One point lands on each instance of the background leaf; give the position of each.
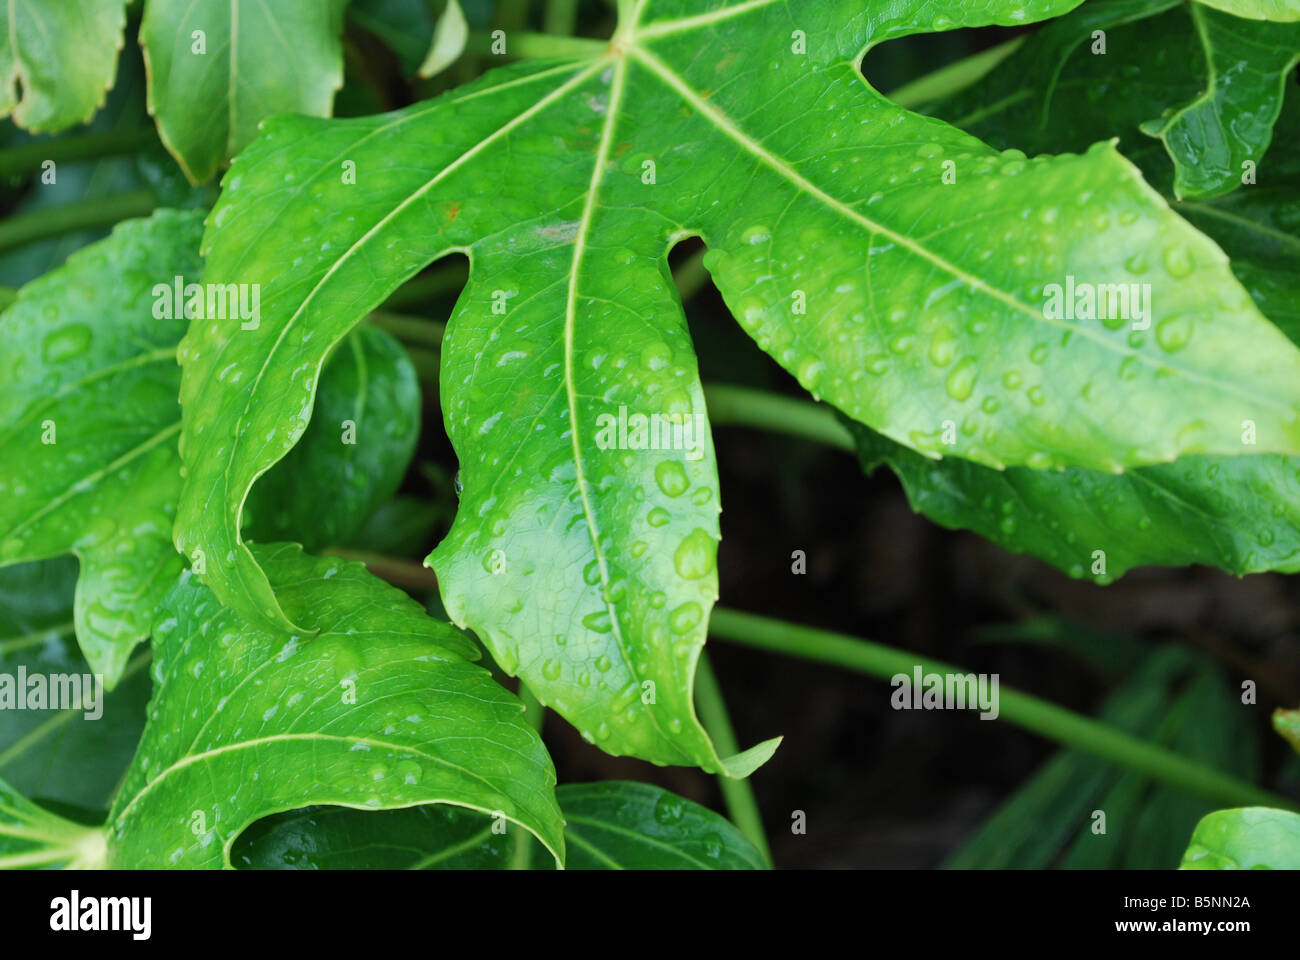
(258, 59)
(1212, 137)
(62, 756)
(57, 60)
(610, 825)
(325, 488)
(87, 359)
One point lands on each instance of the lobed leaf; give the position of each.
(218, 68)
(57, 60)
(586, 561)
(382, 709)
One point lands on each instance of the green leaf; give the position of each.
(356, 449)
(449, 38)
(1258, 9)
(1248, 838)
(88, 423)
(1241, 514)
(218, 68)
(69, 756)
(1216, 82)
(612, 825)
(380, 709)
(589, 569)
(1259, 228)
(57, 60)
(1214, 138)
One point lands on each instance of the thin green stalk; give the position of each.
(28, 157)
(948, 80)
(532, 46)
(731, 405)
(690, 275)
(511, 14)
(443, 280)
(738, 795)
(561, 16)
(534, 713)
(1031, 713)
(417, 330)
(70, 217)
(7, 296)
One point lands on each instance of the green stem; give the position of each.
(731, 405)
(533, 46)
(690, 275)
(1037, 716)
(7, 296)
(738, 795)
(561, 16)
(70, 217)
(426, 333)
(948, 80)
(534, 712)
(91, 146)
(443, 280)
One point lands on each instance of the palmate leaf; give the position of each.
(89, 422)
(1249, 838)
(612, 825)
(587, 565)
(57, 60)
(257, 59)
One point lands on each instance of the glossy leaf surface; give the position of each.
(380, 709)
(585, 559)
(88, 424)
(1217, 139)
